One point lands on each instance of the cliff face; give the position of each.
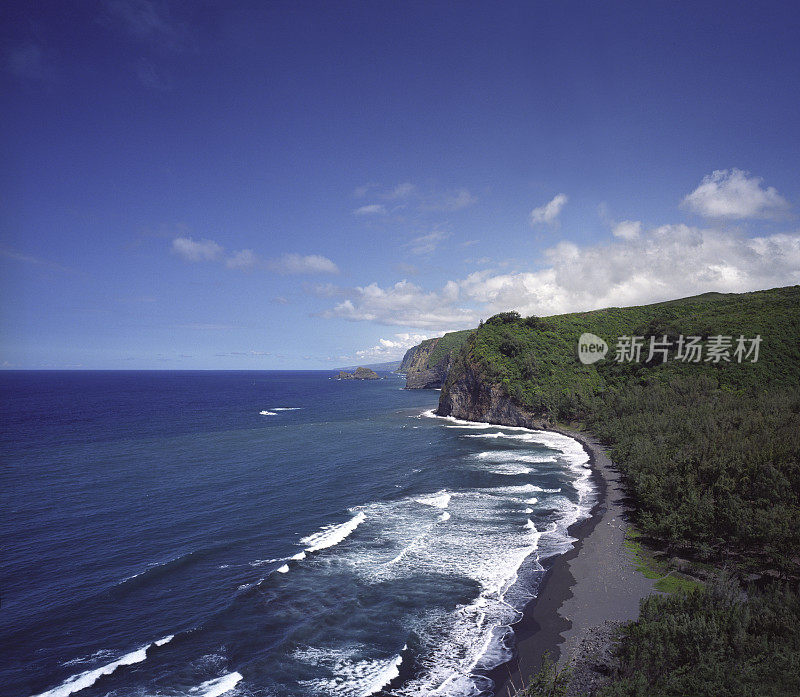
(426, 366)
(416, 357)
(470, 396)
(419, 375)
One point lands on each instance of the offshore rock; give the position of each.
(360, 373)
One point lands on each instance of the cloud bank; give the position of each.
(662, 263)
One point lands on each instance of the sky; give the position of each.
(310, 185)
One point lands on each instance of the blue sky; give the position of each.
(309, 185)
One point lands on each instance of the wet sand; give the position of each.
(584, 590)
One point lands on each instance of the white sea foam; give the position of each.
(490, 435)
(267, 413)
(298, 556)
(353, 676)
(88, 678)
(475, 636)
(512, 490)
(513, 456)
(484, 542)
(454, 643)
(283, 569)
(440, 500)
(331, 535)
(262, 562)
(509, 468)
(286, 408)
(97, 655)
(569, 451)
(217, 686)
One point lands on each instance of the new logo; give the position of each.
(591, 348)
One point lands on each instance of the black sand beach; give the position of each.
(586, 592)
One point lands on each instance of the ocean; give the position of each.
(266, 534)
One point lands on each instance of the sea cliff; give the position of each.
(472, 396)
(427, 365)
(419, 376)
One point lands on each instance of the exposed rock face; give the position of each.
(470, 396)
(410, 359)
(360, 373)
(420, 375)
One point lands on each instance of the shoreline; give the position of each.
(585, 593)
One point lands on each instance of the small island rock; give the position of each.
(360, 373)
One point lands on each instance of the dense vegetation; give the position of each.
(449, 342)
(711, 451)
(711, 456)
(712, 642)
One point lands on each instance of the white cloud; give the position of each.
(395, 347)
(627, 229)
(405, 304)
(246, 259)
(243, 259)
(299, 264)
(548, 213)
(667, 262)
(733, 193)
(372, 209)
(200, 250)
(426, 244)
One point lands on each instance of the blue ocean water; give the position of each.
(265, 533)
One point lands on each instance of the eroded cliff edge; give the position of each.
(468, 394)
(428, 364)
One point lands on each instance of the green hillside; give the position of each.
(711, 456)
(448, 343)
(710, 449)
